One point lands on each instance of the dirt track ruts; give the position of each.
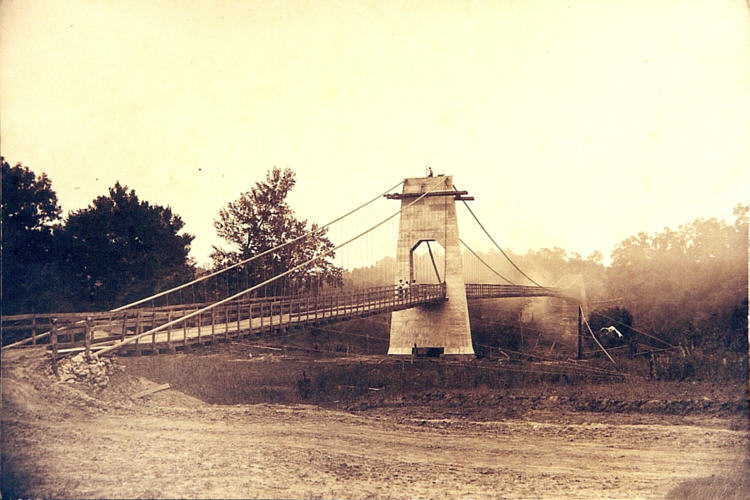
(307, 452)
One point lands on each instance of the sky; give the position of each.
(574, 124)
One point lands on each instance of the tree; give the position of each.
(261, 219)
(121, 249)
(29, 214)
(685, 285)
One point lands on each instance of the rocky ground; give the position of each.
(86, 437)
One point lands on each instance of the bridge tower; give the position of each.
(432, 218)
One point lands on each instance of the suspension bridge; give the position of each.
(427, 293)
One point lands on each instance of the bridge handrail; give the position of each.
(102, 328)
(495, 290)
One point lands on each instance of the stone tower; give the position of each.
(433, 218)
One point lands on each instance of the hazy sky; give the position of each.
(574, 124)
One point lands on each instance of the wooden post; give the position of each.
(154, 349)
(226, 322)
(124, 324)
(138, 331)
(281, 316)
(291, 308)
(250, 316)
(270, 318)
(213, 325)
(87, 338)
(53, 341)
(580, 333)
(651, 365)
(170, 346)
(260, 308)
(239, 316)
(110, 324)
(33, 329)
(200, 321)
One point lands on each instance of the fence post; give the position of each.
(226, 322)
(33, 329)
(170, 346)
(154, 348)
(124, 324)
(138, 331)
(87, 338)
(184, 334)
(291, 308)
(53, 341)
(213, 325)
(239, 316)
(281, 316)
(250, 318)
(262, 314)
(200, 324)
(270, 318)
(580, 331)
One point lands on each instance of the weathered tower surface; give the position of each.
(432, 218)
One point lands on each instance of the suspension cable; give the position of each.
(498, 246)
(245, 261)
(597, 340)
(483, 262)
(163, 326)
(432, 258)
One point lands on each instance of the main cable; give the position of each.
(496, 244)
(266, 252)
(237, 295)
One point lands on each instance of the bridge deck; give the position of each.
(281, 315)
(167, 328)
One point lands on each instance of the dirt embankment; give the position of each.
(80, 440)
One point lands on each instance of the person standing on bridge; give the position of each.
(406, 290)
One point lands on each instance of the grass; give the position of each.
(734, 486)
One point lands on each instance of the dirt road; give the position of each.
(59, 441)
(305, 452)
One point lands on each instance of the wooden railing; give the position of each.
(495, 291)
(163, 328)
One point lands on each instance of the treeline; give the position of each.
(690, 285)
(687, 286)
(121, 248)
(116, 250)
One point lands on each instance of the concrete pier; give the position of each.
(432, 218)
